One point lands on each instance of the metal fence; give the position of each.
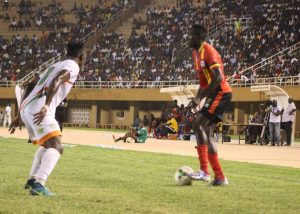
(279, 81)
(290, 51)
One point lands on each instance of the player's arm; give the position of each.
(60, 79)
(28, 86)
(214, 83)
(168, 123)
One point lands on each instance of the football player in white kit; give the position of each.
(37, 111)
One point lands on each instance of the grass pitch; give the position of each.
(96, 180)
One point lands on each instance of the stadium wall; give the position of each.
(94, 107)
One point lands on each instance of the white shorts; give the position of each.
(46, 130)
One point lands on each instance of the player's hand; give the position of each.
(194, 103)
(38, 117)
(17, 122)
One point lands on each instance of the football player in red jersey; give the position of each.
(215, 88)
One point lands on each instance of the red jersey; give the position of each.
(205, 59)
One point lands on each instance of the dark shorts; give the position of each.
(170, 130)
(215, 105)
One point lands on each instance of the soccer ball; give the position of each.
(182, 176)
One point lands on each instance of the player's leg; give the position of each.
(9, 120)
(288, 129)
(49, 136)
(202, 147)
(36, 163)
(277, 133)
(127, 135)
(215, 112)
(4, 121)
(54, 150)
(214, 160)
(271, 129)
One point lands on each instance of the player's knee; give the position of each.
(59, 148)
(198, 127)
(55, 143)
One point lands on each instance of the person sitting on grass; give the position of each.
(140, 135)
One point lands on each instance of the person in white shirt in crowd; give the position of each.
(274, 123)
(288, 118)
(1, 117)
(7, 116)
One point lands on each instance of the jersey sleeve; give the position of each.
(73, 68)
(212, 58)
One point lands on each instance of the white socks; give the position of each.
(49, 160)
(36, 162)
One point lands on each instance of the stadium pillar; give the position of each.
(238, 116)
(133, 111)
(93, 115)
(13, 110)
(104, 115)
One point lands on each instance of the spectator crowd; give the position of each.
(156, 49)
(22, 54)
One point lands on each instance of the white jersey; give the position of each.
(36, 99)
(286, 117)
(8, 111)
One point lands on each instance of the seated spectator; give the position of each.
(170, 127)
(13, 25)
(6, 18)
(20, 25)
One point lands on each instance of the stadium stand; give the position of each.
(27, 48)
(151, 46)
(149, 53)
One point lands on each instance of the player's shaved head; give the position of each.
(198, 35)
(75, 49)
(200, 31)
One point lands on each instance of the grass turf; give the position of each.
(96, 180)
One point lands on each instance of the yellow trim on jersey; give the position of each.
(48, 136)
(206, 73)
(205, 70)
(202, 54)
(201, 47)
(216, 65)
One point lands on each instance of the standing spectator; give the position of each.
(136, 122)
(5, 5)
(288, 117)
(13, 24)
(274, 123)
(145, 121)
(7, 116)
(151, 125)
(1, 117)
